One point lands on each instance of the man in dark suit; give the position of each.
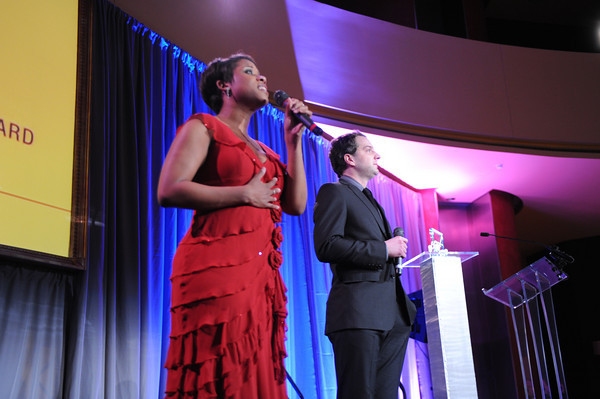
(369, 316)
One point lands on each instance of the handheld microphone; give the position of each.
(398, 232)
(281, 97)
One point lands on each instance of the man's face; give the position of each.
(365, 158)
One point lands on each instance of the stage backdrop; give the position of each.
(102, 333)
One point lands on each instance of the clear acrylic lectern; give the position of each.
(447, 322)
(527, 293)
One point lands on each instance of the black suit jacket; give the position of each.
(349, 234)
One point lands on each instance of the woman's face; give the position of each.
(248, 86)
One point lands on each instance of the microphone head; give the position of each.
(483, 234)
(398, 232)
(280, 96)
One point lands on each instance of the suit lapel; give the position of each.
(386, 224)
(378, 214)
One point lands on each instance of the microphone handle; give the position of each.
(398, 232)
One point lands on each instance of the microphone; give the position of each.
(552, 249)
(398, 232)
(281, 97)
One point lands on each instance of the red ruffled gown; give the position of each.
(228, 303)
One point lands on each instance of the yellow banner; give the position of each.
(38, 41)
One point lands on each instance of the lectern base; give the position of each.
(447, 323)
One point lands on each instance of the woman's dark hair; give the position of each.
(219, 69)
(344, 144)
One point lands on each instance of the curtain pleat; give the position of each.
(103, 333)
(33, 313)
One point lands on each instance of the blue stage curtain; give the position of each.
(103, 333)
(142, 89)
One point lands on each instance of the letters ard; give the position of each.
(13, 131)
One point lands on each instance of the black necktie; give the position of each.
(369, 195)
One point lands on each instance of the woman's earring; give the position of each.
(228, 92)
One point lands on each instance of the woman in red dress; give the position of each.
(228, 304)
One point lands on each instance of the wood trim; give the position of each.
(429, 134)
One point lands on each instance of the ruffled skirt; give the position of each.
(227, 329)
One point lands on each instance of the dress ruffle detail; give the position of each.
(279, 330)
(202, 365)
(226, 370)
